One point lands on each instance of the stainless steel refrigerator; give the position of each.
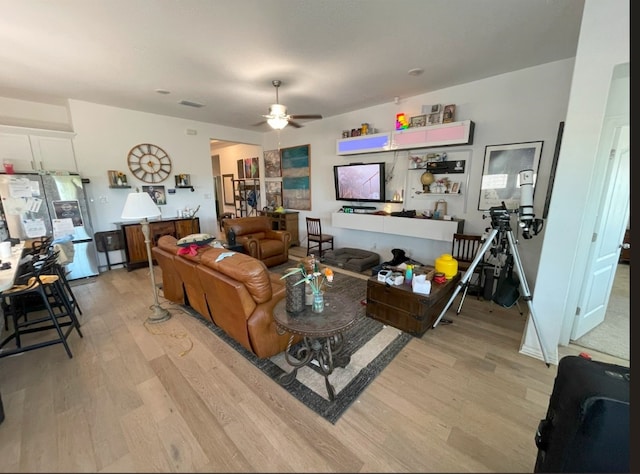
(51, 205)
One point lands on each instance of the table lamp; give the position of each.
(140, 206)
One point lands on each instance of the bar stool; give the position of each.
(39, 287)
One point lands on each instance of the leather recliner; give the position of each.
(259, 240)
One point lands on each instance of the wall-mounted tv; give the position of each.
(361, 182)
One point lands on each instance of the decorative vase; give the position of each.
(318, 302)
(119, 181)
(295, 293)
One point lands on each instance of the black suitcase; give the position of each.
(587, 424)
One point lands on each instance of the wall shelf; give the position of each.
(446, 134)
(435, 229)
(124, 186)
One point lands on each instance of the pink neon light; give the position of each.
(428, 136)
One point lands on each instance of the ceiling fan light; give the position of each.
(277, 123)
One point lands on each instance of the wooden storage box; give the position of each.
(400, 307)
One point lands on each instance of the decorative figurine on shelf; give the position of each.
(122, 179)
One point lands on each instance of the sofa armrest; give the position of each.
(282, 235)
(252, 246)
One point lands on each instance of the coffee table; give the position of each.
(400, 307)
(323, 338)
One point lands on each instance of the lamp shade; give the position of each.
(139, 206)
(277, 123)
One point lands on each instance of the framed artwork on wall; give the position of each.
(296, 185)
(272, 167)
(273, 193)
(240, 169)
(501, 173)
(157, 193)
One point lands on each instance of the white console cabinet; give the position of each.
(434, 229)
(31, 149)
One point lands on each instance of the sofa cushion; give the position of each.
(198, 239)
(244, 269)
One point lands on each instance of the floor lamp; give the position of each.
(141, 206)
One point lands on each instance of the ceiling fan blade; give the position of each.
(308, 116)
(294, 124)
(257, 124)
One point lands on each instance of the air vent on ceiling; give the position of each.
(189, 103)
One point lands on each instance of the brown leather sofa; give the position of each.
(259, 240)
(164, 253)
(237, 293)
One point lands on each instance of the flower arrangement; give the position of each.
(121, 178)
(318, 279)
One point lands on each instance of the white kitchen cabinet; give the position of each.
(31, 149)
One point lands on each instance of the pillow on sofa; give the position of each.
(196, 239)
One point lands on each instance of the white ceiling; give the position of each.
(332, 56)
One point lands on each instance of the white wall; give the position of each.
(104, 136)
(603, 44)
(522, 106)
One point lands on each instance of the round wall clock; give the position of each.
(149, 163)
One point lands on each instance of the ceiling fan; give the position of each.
(278, 117)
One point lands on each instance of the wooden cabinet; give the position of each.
(401, 308)
(435, 229)
(37, 150)
(285, 221)
(136, 249)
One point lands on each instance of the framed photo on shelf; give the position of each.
(434, 118)
(418, 121)
(455, 187)
(183, 180)
(501, 173)
(448, 115)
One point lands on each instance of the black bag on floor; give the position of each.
(587, 423)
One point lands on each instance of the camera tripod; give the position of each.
(500, 222)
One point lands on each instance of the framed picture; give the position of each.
(157, 194)
(435, 109)
(227, 189)
(418, 121)
(501, 173)
(455, 187)
(448, 115)
(273, 193)
(435, 118)
(183, 180)
(296, 183)
(272, 167)
(241, 169)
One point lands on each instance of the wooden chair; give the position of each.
(315, 235)
(464, 249)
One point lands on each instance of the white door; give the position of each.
(611, 223)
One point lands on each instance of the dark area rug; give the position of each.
(370, 344)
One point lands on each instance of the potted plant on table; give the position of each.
(317, 279)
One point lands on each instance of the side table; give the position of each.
(323, 338)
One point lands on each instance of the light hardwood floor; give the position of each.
(174, 397)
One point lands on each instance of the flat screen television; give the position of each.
(360, 182)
